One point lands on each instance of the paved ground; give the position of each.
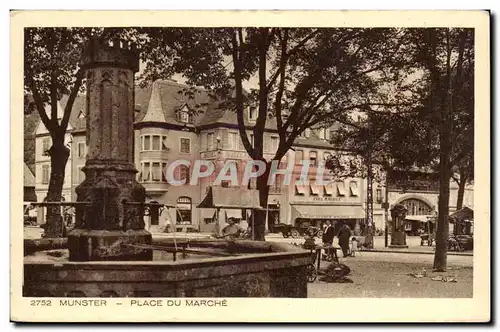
(390, 279)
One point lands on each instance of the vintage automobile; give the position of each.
(466, 241)
(301, 228)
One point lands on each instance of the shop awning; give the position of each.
(314, 188)
(327, 212)
(330, 188)
(230, 198)
(301, 189)
(233, 213)
(465, 213)
(422, 218)
(207, 213)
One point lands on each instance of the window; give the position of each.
(45, 145)
(224, 184)
(251, 140)
(307, 133)
(156, 143)
(233, 141)
(313, 157)
(379, 195)
(81, 150)
(164, 172)
(164, 143)
(322, 133)
(184, 173)
(153, 171)
(252, 113)
(146, 173)
(184, 208)
(210, 141)
(416, 207)
(299, 155)
(81, 121)
(156, 172)
(45, 174)
(327, 134)
(185, 145)
(183, 116)
(147, 143)
(275, 188)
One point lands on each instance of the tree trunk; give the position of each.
(461, 190)
(59, 155)
(261, 215)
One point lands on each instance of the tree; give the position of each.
(381, 142)
(439, 132)
(447, 57)
(305, 77)
(51, 57)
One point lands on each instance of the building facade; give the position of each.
(171, 124)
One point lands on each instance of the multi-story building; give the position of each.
(174, 123)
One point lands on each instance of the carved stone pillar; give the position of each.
(111, 226)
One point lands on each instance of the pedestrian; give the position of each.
(328, 235)
(233, 230)
(344, 236)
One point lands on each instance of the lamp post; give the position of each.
(369, 189)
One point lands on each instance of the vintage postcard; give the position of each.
(263, 166)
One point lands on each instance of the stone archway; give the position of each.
(419, 198)
(417, 207)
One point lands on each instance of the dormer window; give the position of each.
(81, 120)
(252, 113)
(183, 116)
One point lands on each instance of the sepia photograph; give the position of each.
(190, 166)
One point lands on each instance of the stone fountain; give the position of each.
(109, 253)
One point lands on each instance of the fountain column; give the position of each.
(109, 222)
(398, 234)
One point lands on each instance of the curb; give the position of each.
(417, 252)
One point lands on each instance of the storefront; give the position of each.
(316, 214)
(220, 204)
(463, 221)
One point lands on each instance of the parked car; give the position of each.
(295, 231)
(466, 241)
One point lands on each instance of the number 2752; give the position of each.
(40, 303)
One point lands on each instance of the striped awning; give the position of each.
(327, 212)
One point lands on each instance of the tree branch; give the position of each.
(281, 86)
(239, 96)
(71, 99)
(274, 77)
(39, 103)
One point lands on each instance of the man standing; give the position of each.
(328, 235)
(344, 236)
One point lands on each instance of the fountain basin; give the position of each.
(251, 269)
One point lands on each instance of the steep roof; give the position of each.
(162, 99)
(29, 178)
(171, 96)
